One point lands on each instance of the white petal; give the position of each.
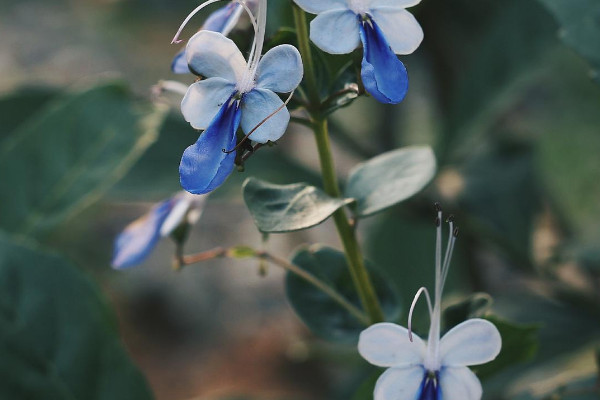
(204, 99)
(399, 384)
(394, 3)
(319, 6)
(400, 28)
(459, 383)
(175, 217)
(211, 54)
(280, 70)
(388, 345)
(335, 32)
(257, 105)
(473, 342)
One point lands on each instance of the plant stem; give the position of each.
(288, 266)
(354, 257)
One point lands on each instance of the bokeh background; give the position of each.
(505, 92)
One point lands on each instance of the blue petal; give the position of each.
(280, 69)
(430, 387)
(224, 19)
(179, 64)
(383, 74)
(335, 32)
(138, 239)
(258, 105)
(204, 165)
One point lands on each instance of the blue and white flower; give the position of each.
(436, 369)
(234, 93)
(385, 29)
(223, 21)
(139, 238)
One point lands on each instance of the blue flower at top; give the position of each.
(139, 238)
(385, 29)
(234, 93)
(223, 21)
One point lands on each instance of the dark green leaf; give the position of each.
(519, 344)
(503, 197)
(318, 311)
(58, 338)
(580, 28)
(69, 153)
(493, 81)
(390, 178)
(19, 106)
(287, 208)
(475, 306)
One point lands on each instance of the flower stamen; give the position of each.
(412, 308)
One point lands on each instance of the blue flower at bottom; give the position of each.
(385, 29)
(233, 94)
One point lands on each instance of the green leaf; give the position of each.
(474, 306)
(390, 178)
(319, 312)
(519, 344)
(69, 153)
(19, 106)
(58, 338)
(580, 28)
(287, 208)
(492, 82)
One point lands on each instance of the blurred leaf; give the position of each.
(474, 306)
(321, 314)
(503, 197)
(287, 208)
(366, 389)
(494, 80)
(580, 28)
(17, 107)
(69, 153)
(390, 178)
(520, 343)
(58, 338)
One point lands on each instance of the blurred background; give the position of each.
(508, 95)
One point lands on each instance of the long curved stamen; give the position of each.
(438, 251)
(189, 17)
(260, 124)
(449, 251)
(412, 308)
(259, 37)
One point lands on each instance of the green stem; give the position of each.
(286, 265)
(354, 257)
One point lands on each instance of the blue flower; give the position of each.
(437, 369)
(139, 238)
(385, 29)
(234, 93)
(222, 20)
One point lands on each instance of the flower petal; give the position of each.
(473, 342)
(335, 32)
(211, 54)
(399, 384)
(138, 239)
(401, 29)
(257, 105)
(388, 345)
(204, 165)
(459, 383)
(319, 6)
(224, 19)
(394, 3)
(280, 69)
(204, 99)
(179, 64)
(383, 75)
(185, 204)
